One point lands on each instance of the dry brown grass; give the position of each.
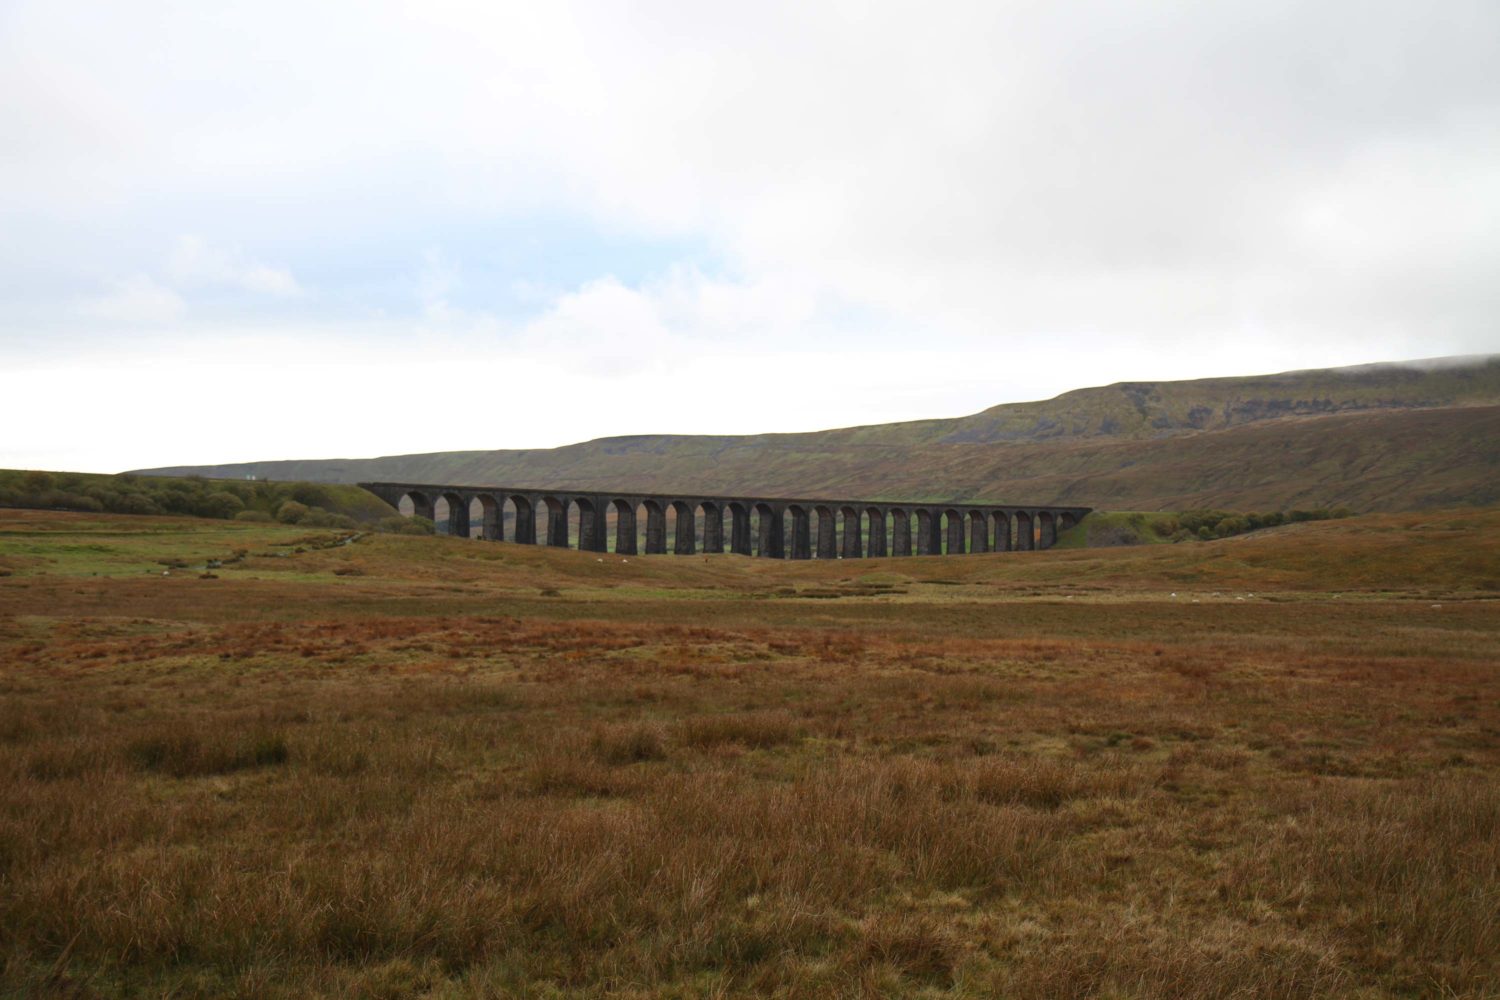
(336, 792)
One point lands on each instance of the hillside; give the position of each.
(1373, 437)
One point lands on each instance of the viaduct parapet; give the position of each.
(772, 527)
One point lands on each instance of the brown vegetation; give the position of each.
(1370, 438)
(1019, 775)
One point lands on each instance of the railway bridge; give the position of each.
(772, 527)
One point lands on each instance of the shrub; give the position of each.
(628, 744)
(134, 503)
(291, 512)
(317, 517)
(1231, 526)
(221, 503)
(184, 755)
(258, 516)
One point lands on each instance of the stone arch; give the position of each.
(591, 533)
(415, 503)
(900, 531)
(1025, 539)
(739, 528)
(1002, 530)
(875, 544)
(768, 532)
(625, 537)
(557, 521)
(484, 514)
(685, 523)
(451, 515)
(656, 528)
(979, 531)
(800, 532)
(521, 513)
(929, 533)
(954, 543)
(1046, 530)
(713, 526)
(828, 532)
(851, 533)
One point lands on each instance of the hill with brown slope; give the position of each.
(1375, 437)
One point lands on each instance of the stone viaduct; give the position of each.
(776, 528)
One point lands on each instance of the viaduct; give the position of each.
(776, 528)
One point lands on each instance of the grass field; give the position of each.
(252, 760)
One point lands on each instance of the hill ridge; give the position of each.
(1392, 435)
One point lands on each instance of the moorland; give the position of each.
(262, 760)
(1400, 436)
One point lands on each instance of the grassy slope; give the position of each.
(1265, 766)
(1379, 438)
(1148, 409)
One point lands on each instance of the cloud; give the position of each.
(136, 300)
(673, 320)
(993, 201)
(194, 262)
(983, 169)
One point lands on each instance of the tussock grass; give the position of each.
(1117, 797)
(751, 730)
(629, 743)
(183, 755)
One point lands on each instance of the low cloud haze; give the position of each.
(276, 230)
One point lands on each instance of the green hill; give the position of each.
(1374, 437)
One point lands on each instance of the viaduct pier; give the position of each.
(771, 527)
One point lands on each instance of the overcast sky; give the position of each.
(273, 230)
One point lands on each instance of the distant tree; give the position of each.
(63, 500)
(1231, 526)
(221, 503)
(37, 481)
(253, 515)
(291, 512)
(312, 495)
(134, 503)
